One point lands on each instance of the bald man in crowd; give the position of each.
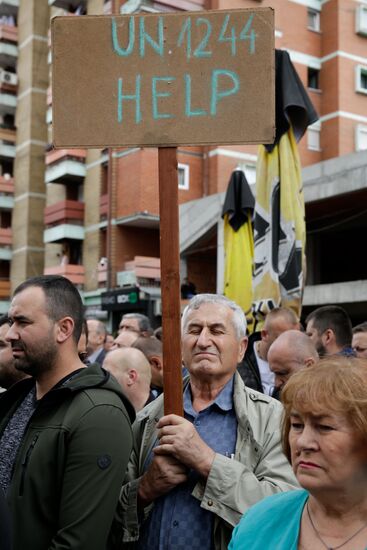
(290, 352)
(124, 339)
(254, 369)
(131, 369)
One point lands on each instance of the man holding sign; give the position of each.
(190, 479)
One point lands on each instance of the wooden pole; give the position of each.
(110, 186)
(170, 280)
(110, 175)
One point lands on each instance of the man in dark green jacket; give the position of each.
(65, 434)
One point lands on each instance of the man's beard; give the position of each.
(320, 348)
(35, 362)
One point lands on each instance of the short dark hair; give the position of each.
(362, 327)
(62, 299)
(143, 321)
(334, 318)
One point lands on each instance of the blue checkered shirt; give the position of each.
(177, 521)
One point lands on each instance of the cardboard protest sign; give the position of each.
(164, 79)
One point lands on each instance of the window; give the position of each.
(183, 176)
(361, 137)
(361, 20)
(313, 137)
(313, 78)
(313, 20)
(361, 79)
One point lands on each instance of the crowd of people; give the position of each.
(269, 454)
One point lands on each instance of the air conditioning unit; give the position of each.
(126, 278)
(7, 77)
(361, 20)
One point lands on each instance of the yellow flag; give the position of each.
(239, 253)
(279, 229)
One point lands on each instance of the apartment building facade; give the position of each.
(93, 215)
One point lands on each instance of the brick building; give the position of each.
(93, 215)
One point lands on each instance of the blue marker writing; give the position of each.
(158, 46)
(115, 42)
(129, 97)
(218, 95)
(188, 111)
(156, 95)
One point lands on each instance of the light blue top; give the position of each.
(272, 524)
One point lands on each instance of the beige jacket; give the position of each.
(259, 467)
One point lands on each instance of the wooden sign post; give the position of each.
(170, 279)
(163, 80)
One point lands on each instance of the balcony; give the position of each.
(5, 236)
(7, 184)
(9, 7)
(142, 271)
(6, 192)
(6, 253)
(8, 103)
(75, 273)
(4, 289)
(8, 55)
(8, 44)
(7, 143)
(63, 231)
(5, 243)
(65, 166)
(64, 212)
(145, 266)
(8, 33)
(8, 90)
